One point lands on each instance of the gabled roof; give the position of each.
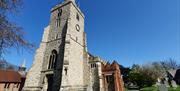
(172, 72)
(9, 76)
(110, 67)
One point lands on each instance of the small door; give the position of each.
(50, 82)
(110, 86)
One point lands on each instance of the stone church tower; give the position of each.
(59, 61)
(62, 62)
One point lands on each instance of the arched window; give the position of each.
(58, 17)
(59, 12)
(52, 60)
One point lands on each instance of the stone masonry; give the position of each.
(62, 61)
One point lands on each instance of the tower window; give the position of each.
(58, 22)
(66, 69)
(59, 12)
(58, 17)
(53, 60)
(77, 16)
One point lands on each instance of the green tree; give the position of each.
(143, 76)
(136, 68)
(137, 79)
(147, 74)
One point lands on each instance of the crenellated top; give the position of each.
(66, 2)
(70, 0)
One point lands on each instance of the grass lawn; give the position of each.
(153, 88)
(177, 89)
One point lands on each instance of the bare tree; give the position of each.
(7, 66)
(169, 64)
(136, 68)
(11, 35)
(9, 5)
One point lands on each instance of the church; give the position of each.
(62, 61)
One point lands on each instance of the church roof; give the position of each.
(172, 72)
(9, 76)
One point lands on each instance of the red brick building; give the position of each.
(11, 80)
(112, 80)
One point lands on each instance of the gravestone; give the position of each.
(162, 87)
(158, 82)
(174, 85)
(166, 82)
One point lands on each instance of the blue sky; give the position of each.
(129, 31)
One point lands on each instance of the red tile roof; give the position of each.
(9, 76)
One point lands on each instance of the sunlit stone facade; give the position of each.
(62, 62)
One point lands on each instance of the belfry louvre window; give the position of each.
(58, 20)
(53, 60)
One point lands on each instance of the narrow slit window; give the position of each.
(77, 16)
(49, 66)
(66, 69)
